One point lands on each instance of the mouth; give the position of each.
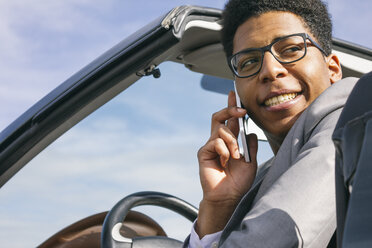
(279, 99)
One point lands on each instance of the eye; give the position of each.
(291, 50)
(248, 63)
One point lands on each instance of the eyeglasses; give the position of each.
(286, 49)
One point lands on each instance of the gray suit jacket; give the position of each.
(292, 203)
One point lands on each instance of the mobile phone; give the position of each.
(243, 130)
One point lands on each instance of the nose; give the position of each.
(271, 68)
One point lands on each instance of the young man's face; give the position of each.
(299, 83)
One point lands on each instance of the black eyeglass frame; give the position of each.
(305, 36)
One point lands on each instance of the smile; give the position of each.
(276, 100)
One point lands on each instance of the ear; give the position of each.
(334, 68)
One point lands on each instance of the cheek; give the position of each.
(247, 94)
(314, 77)
(311, 70)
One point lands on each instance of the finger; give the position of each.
(219, 118)
(253, 147)
(233, 125)
(223, 115)
(231, 99)
(230, 140)
(214, 150)
(222, 151)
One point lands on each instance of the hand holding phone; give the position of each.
(243, 130)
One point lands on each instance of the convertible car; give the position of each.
(186, 35)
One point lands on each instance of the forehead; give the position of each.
(263, 29)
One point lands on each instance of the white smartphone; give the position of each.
(243, 130)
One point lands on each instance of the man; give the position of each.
(285, 73)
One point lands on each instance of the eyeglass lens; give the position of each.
(285, 50)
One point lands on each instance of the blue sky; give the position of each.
(145, 139)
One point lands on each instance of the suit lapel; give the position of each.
(241, 210)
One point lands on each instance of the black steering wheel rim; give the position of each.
(111, 237)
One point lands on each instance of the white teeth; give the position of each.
(280, 99)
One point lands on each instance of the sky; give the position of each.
(144, 139)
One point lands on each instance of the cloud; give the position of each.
(92, 167)
(44, 43)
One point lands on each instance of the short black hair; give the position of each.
(314, 14)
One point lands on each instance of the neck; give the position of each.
(274, 141)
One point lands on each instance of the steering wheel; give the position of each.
(111, 238)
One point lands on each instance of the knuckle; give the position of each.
(221, 148)
(221, 130)
(225, 132)
(232, 141)
(231, 110)
(219, 141)
(215, 116)
(202, 150)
